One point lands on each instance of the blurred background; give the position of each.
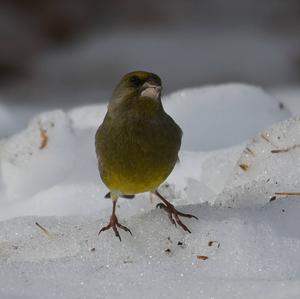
(62, 53)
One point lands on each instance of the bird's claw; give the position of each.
(114, 223)
(172, 212)
(160, 205)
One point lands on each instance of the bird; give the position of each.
(137, 145)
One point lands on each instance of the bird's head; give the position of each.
(137, 89)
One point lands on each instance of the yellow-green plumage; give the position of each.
(138, 142)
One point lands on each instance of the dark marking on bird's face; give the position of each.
(139, 84)
(137, 93)
(137, 79)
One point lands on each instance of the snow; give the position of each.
(49, 176)
(270, 163)
(219, 110)
(258, 256)
(14, 118)
(289, 96)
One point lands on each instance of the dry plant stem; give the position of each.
(288, 193)
(250, 151)
(114, 223)
(268, 140)
(42, 229)
(44, 138)
(284, 150)
(172, 212)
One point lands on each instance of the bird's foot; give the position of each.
(114, 223)
(173, 213)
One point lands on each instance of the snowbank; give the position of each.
(241, 246)
(270, 163)
(221, 116)
(50, 167)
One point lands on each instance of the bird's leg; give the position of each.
(172, 212)
(114, 223)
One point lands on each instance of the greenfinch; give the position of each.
(137, 144)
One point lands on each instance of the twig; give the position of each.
(268, 140)
(42, 229)
(44, 138)
(250, 151)
(284, 150)
(244, 167)
(287, 193)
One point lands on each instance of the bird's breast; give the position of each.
(137, 155)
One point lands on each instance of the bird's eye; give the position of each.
(135, 80)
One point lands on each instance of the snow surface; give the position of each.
(290, 97)
(49, 175)
(209, 116)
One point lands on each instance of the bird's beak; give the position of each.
(151, 90)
